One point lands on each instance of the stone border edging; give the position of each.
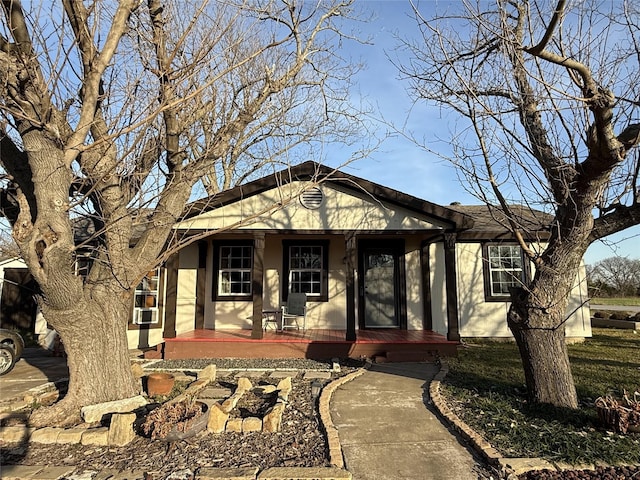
(516, 466)
(335, 448)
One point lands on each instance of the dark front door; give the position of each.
(380, 293)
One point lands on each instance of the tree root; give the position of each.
(64, 413)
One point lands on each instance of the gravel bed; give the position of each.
(253, 363)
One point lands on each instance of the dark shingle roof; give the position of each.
(491, 222)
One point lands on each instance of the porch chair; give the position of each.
(295, 308)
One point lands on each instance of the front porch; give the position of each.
(395, 345)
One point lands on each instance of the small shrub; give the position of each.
(601, 314)
(620, 315)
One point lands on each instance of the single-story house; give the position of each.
(383, 272)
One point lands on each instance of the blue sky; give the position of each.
(399, 163)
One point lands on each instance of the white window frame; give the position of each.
(148, 288)
(506, 261)
(229, 253)
(316, 271)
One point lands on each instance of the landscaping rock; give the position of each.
(273, 419)
(251, 424)
(208, 473)
(244, 384)
(208, 374)
(94, 413)
(121, 429)
(234, 425)
(95, 436)
(70, 435)
(46, 435)
(217, 419)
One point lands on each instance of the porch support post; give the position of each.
(425, 271)
(257, 281)
(350, 265)
(172, 297)
(453, 330)
(201, 285)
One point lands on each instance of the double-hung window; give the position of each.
(145, 306)
(234, 263)
(505, 268)
(306, 268)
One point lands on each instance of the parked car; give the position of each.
(11, 347)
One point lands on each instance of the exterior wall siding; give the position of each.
(479, 318)
(339, 211)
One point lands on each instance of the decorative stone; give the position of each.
(208, 373)
(231, 402)
(121, 429)
(54, 473)
(217, 419)
(244, 384)
(215, 393)
(70, 435)
(183, 377)
(284, 386)
(45, 435)
(234, 425)
(264, 389)
(95, 436)
(251, 424)
(94, 413)
(283, 374)
(212, 473)
(317, 375)
(273, 419)
(185, 474)
(304, 473)
(16, 434)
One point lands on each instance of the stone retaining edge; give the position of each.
(516, 466)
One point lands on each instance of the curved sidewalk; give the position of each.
(388, 430)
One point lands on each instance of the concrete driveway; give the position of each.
(36, 367)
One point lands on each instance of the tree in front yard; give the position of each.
(546, 100)
(112, 114)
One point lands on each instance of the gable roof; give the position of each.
(312, 171)
(491, 222)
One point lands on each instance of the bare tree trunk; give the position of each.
(545, 361)
(95, 340)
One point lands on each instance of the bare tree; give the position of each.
(620, 275)
(114, 112)
(546, 102)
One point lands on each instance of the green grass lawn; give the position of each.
(622, 301)
(485, 387)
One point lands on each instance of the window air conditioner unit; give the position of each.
(145, 316)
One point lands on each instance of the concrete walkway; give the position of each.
(387, 431)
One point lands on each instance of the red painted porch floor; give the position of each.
(395, 345)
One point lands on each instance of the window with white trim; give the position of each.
(306, 269)
(234, 270)
(505, 268)
(145, 305)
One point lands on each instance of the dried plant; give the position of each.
(619, 415)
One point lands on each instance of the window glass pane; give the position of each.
(305, 269)
(234, 270)
(505, 268)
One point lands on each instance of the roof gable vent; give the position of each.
(312, 198)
